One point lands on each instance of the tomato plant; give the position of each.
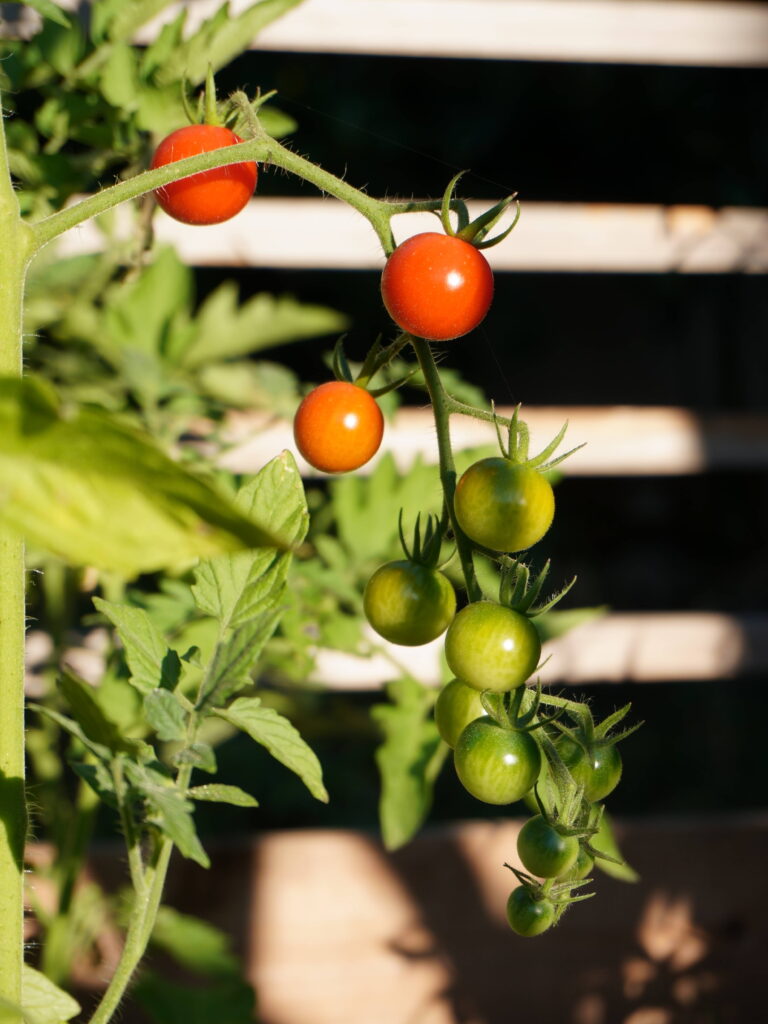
(496, 765)
(502, 505)
(492, 647)
(208, 197)
(437, 286)
(545, 851)
(408, 603)
(527, 915)
(456, 706)
(599, 773)
(338, 427)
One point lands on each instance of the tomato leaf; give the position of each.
(42, 1001)
(94, 491)
(92, 719)
(169, 809)
(150, 661)
(194, 944)
(229, 669)
(235, 588)
(199, 755)
(165, 715)
(409, 760)
(263, 321)
(267, 727)
(49, 9)
(220, 793)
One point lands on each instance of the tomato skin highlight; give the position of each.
(495, 765)
(338, 427)
(527, 916)
(437, 287)
(543, 851)
(502, 505)
(599, 775)
(491, 647)
(209, 197)
(409, 604)
(456, 706)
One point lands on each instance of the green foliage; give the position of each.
(103, 94)
(43, 1002)
(120, 503)
(135, 342)
(409, 759)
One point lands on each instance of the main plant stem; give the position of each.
(14, 256)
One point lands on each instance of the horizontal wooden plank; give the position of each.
(333, 929)
(615, 31)
(632, 647)
(640, 647)
(610, 238)
(619, 440)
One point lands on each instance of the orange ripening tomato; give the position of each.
(338, 427)
(437, 287)
(209, 197)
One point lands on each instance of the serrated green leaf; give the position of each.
(91, 717)
(221, 794)
(220, 39)
(42, 1001)
(74, 729)
(93, 491)
(165, 715)
(119, 77)
(50, 10)
(168, 809)
(409, 760)
(225, 330)
(243, 384)
(199, 755)
(151, 662)
(267, 727)
(97, 776)
(233, 659)
(235, 588)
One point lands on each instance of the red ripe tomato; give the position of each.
(209, 197)
(437, 287)
(338, 427)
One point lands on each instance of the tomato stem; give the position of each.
(14, 257)
(441, 413)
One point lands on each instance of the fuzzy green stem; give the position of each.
(441, 412)
(15, 252)
(140, 927)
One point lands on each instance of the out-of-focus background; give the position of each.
(631, 300)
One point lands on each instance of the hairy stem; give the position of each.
(15, 251)
(438, 397)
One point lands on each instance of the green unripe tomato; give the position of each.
(528, 916)
(502, 505)
(496, 765)
(409, 604)
(492, 647)
(543, 851)
(456, 706)
(598, 775)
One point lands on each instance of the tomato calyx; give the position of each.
(520, 589)
(377, 358)
(425, 547)
(560, 893)
(518, 709)
(589, 753)
(475, 231)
